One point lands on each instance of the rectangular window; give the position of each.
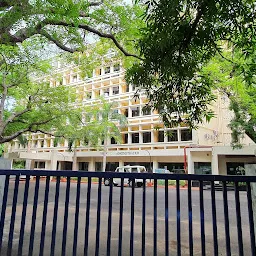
(160, 136)
(74, 78)
(115, 90)
(107, 70)
(125, 138)
(106, 92)
(116, 67)
(113, 141)
(126, 112)
(127, 88)
(98, 166)
(83, 166)
(40, 165)
(136, 112)
(186, 135)
(135, 138)
(146, 111)
(146, 137)
(172, 135)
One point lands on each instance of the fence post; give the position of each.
(4, 164)
(250, 170)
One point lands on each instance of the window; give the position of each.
(135, 138)
(202, 168)
(126, 112)
(172, 135)
(40, 165)
(133, 87)
(83, 166)
(116, 67)
(107, 70)
(160, 136)
(116, 90)
(127, 88)
(113, 141)
(89, 95)
(42, 143)
(146, 111)
(98, 166)
(136, 112)
(125, 138)
(106, 92)
(186, 135)
(74, 78)
(146, 137)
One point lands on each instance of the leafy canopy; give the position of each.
(28, 104)
(180, 37)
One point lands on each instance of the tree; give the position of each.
(181, 37)
(105, 122)
(28, 104)
(230, 74)
(70, 25)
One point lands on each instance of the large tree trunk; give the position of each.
(104, 163)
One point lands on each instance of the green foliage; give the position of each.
(29, 104)
(227, 74)
(179, 39)
(18, 164)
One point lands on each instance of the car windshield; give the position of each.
(134, 169)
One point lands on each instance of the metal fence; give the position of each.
(82, 217)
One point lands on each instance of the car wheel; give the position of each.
(106, 182)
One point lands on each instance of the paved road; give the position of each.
(126, 224)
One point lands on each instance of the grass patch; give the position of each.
(171, 182)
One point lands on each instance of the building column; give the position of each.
(28, 164)
(215, 165)
(54, 160)
(190, 165)
(121, 163)
(91, 166)
(155, 165)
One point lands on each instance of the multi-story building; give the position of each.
(145, 141)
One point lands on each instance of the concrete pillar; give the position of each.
(91, 166)
(155, 165)
(215, 164)
(250, 170)
(28, 164)
(121, 163)
(190, 163)
(53, 160)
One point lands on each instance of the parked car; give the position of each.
(130, 169)
(161, 170)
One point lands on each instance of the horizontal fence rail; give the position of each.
(134, 214)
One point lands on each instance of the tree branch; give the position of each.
(94, 31)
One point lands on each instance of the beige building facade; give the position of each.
(145, 141)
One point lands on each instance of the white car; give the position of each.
(130, 169)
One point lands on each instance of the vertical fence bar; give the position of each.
(14, 206)
(23, 216)
(155, 217)
(190, 219)
(33, 223)
(251, 221)
(46, 196)
(225, 203)
(65, 224)
(3, 210)
(97, 242)
(55, 215)
(87, 221)
(76, 215)
(238, 221)
(202, 217)
(132, 218)
(214, 220)
(143, 247)
(110, 217)
(120, 237)
(178, 217)
(166, 218)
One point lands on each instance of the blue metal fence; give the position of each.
(26, 214)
